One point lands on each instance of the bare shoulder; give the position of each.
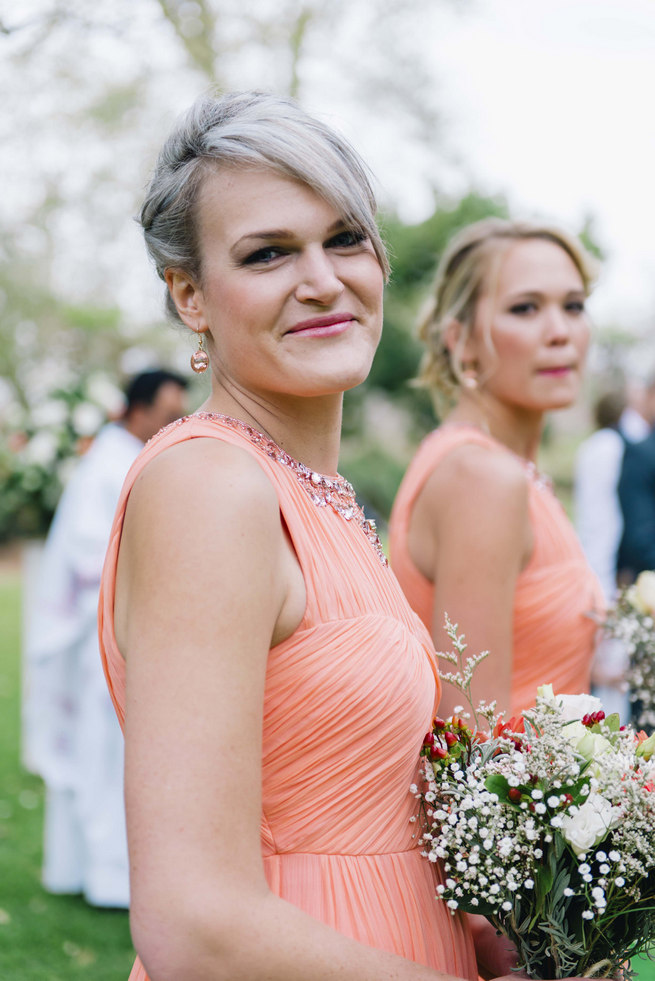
(202, 508)
(203, 519)
(471, 473)
(200, 474)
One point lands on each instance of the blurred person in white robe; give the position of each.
(599, 524)
(72, 735)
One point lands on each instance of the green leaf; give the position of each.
(497, 784)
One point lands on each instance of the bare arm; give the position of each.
(212, 584)
(471, 536)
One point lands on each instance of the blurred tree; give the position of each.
(91, 88)
(386, 416)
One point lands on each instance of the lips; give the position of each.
(322, 323)
(561, 369)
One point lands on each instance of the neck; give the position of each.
(132, 427)
(518, 430)
(308, 429)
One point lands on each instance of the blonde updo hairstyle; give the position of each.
(468, 268)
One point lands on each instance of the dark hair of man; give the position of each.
(609, 409)
(143, 388)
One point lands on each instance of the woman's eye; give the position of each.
(263, 256)
(347, 239)
(521, 309)
(575, 307)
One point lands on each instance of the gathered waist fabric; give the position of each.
(384, 900)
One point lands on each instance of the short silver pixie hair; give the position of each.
(249, 129)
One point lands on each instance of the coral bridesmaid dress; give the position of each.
(553, 634)
(350, 696)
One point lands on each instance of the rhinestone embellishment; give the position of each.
(334, 492)
(541, 480)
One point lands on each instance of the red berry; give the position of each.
(450, 738)
(514, 794)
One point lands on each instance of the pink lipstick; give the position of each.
(326, 326)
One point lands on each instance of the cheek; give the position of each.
(511, 348)
(236, 307)
(583, 337)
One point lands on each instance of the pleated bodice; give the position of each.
(553, 634)
(349, 697)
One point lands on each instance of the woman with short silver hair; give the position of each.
(273, 683)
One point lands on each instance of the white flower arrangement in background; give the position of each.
(544, 825)
(632, 621)
(41, 442)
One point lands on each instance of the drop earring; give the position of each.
(469, 378)
(199, 358)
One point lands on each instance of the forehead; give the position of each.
(537, 265)
(168, 393)
(234, 202)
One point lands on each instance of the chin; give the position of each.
(565, 402)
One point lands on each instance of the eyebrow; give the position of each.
(521, 294)
(273, 234)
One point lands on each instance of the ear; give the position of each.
(188, 299)
(459, 341)
(452, 335)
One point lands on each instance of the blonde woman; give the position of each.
(476, 531)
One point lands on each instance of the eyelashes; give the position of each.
(347, 239)
(529, 307)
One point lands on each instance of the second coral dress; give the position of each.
(553, 634)
(349, 696)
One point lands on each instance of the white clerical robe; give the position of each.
(599, 524)
(72, 736)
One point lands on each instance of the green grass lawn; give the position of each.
(42, 937)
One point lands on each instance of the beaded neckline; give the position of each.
(324, 491)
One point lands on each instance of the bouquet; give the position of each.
(632, 621)
(544, 824)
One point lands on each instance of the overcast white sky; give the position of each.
(551, 101)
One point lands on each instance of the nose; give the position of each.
(318, 281)
(558, 326)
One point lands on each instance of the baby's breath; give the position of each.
(546, 831)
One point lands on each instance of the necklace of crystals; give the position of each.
(334, 492)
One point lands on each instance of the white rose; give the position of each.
(589, 824)
(643, 595)
(87, 419)
(42, 449)
(576, 706)
(105, 393)
(589, 744)
(52, 412)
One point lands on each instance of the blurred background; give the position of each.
(462, 108)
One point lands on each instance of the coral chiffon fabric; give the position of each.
(349, 697)
(554, 636)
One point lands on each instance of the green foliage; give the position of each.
(376, 476)
(415, 251)
(42, 937)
